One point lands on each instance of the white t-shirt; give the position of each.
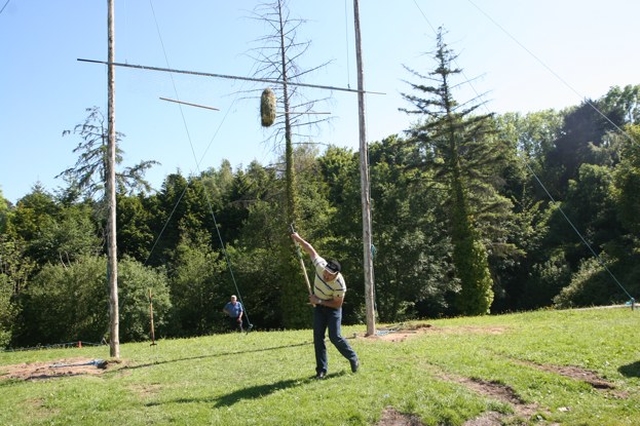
(327, 290)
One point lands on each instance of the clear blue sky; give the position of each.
(525, 55)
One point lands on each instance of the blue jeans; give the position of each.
(327, 318)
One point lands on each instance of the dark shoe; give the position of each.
(321, 375)
(355, 364)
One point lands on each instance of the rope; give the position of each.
(226, 257)
(197, 161)
(5, 5)
(584, 241)
(556, 75)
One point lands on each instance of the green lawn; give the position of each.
(577, 367)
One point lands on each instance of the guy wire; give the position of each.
(224, 250)
(526, 163)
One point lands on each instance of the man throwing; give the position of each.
(329, 288)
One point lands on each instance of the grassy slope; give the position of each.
(448, 373)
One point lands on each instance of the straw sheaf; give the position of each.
(268, 107)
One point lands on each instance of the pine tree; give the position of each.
(457, 144)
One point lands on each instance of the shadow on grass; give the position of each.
(265, 390)
(630, 370)
(256, 392)
(133, 367)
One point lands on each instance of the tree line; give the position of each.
(472, 213)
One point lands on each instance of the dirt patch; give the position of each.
(490, 418)
(493, 389)
(391, 417)
(499, 392)
(400, 334)
(403, 332)
(522, 411)
(60, 368)
(580, 374)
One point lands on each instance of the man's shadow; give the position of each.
(264, 390)
(255, 392)
(630, 370)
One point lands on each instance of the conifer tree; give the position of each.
(456, 144)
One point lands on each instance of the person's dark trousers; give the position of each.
(234, 325)
(328, 318)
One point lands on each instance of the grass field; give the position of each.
(573, 367)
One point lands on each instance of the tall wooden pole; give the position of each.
(110, 193)
(364, 183)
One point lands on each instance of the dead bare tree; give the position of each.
(277, 55)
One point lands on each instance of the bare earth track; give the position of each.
(61, 368)
(491, 390)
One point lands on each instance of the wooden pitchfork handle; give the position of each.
(304, 269)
